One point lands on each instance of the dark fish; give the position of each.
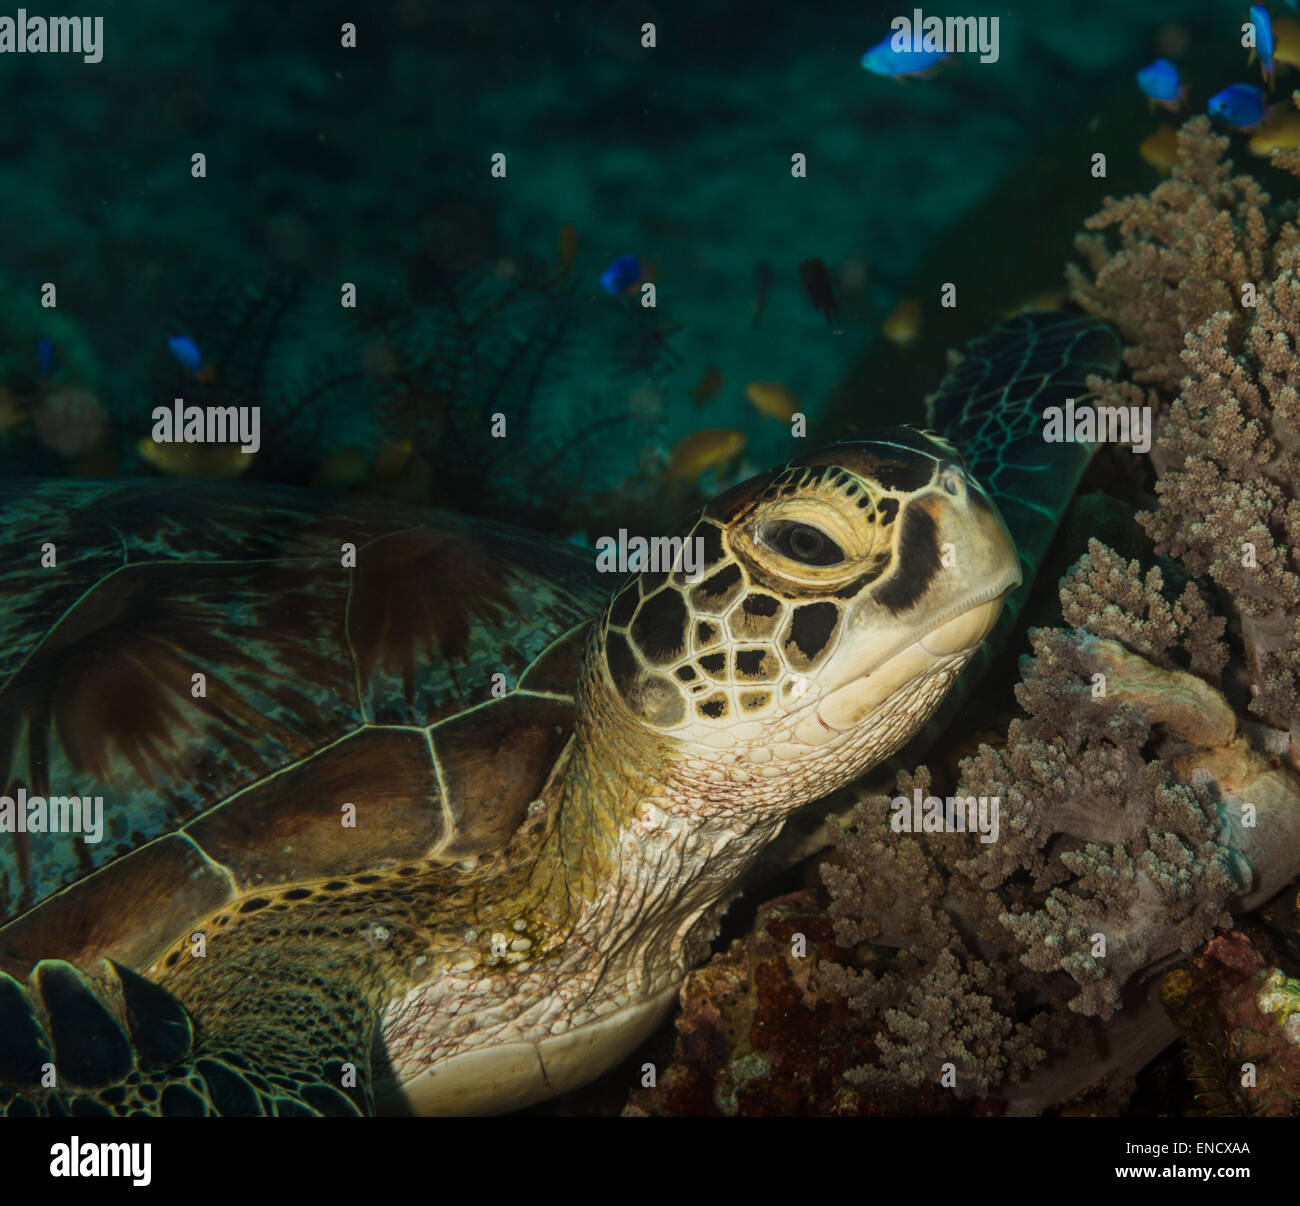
(816, 279)
(708, 386)
(568, 242)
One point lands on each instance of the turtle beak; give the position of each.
(967, 629)
(950, 644)
(963, 565)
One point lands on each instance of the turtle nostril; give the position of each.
(951, 481)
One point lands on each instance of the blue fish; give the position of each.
(1240, 106)
(45, 356)
(624, 271)
(1263, 40)
(1160, 83)
(186, 352)
(883, 59)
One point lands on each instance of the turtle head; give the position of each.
(832, 604)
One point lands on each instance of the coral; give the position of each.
(1112, 599)
(1204, 289)
(939, 1002)
(757, 1035)
(1145, 852)
(1240, 1018)
(1232, 511)
(1141, 813)
(1184, 251)
(976, 970)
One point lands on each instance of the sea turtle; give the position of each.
(406, 812)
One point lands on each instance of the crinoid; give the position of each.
(522, 355)
(286, 347)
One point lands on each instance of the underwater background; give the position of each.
(372, 166)
(778, 292)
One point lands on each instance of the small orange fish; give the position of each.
(1286, 41)
(568, 243)
(210, 461)
(1280, 132)
(708, 386)
(1048, 299)
(12, 412)
(903, 326)
(703, 450)
(1160, 150)
(771, 398)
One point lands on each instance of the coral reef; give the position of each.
(1231, 509)
(762, 1032)
(1240, 1015)
(755, 1036)
(1204, 289)
(939, 1001)
(1185, 250)
(1140, 810)
(1022, 974)
(1110, 860)
(1145, 851)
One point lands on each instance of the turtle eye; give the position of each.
(803, 543)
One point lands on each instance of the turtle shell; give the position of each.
(200, 657)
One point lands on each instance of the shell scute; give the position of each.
(369, 801)
(200, 657)
(129, 911)
(496, 760)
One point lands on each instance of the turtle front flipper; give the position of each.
(73, 1044)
